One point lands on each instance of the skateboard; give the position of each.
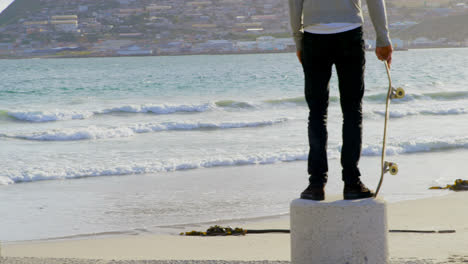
(393, 93)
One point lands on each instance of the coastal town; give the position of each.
(86, 28)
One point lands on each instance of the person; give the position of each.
(327, 33)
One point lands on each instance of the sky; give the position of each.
(4, 4)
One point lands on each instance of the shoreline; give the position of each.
(192, 54)
(436, 213)
(172, 230)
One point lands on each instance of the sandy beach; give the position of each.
(439, 213)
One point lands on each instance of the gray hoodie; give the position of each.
(307, 12)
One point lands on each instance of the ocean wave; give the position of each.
(3, 114)
(418, 146)
(294, 100)
(161, 109)
(47, 173)
(5, 180)
(437, 96)
(381, 97)
(158, 109)
(94, 132)
(234, 104)
(400, 113)
(48, 116)
(62, 115)
(44, 173)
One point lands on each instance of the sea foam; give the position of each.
(400, 113)
(48, 116)
(162, 109)
(418, 146)
(159, 109)
(49, 173)
(61, 115)
(94, 132)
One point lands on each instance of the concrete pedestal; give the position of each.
(339, 232)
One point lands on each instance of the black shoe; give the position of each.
(313, 193)
(356, 191)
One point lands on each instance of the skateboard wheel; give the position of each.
(393, 169)
(399, 93)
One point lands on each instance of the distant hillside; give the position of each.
(451, 27)
(17, 10)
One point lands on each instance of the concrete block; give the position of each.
(338, 231)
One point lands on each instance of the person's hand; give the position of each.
(384, 54)
(298, 53)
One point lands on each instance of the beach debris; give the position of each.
(422, 231)
(217, 231)
(228, 231)
(459, 185)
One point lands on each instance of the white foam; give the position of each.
(5, 180)
(159, 109)
(399, 113)
(61, 115)
(47, 173)
(94, 132)
(48, 116)
(91, 132)
(417, 146)
(451, 111)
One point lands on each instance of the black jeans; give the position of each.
(320, 52)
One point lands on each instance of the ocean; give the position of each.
(135, 143)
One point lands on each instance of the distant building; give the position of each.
(216, 45)
(112, 45)
(199, 3)
(65, 17)
(152, 8)
(246, 45)
(269, 43)
(125, 2)
(131, 35)
(204, 25)
(171, 47)
(264, 17)
(83, 8)
(422, 41)
(288, 43)
(66, 23)
(249, 24)
(33, 23)
(134, 50)
(130, 12)
(266, 43)
(6, 49)
(255, 30)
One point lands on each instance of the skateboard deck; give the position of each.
(386, 166)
